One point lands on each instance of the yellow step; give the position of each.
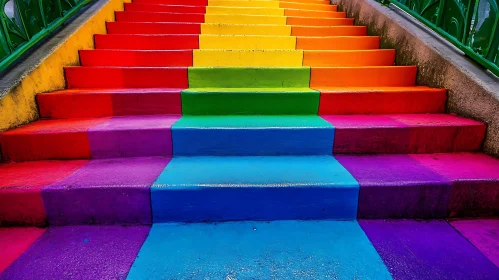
(248, 58)
(244, 11)
(245, 29)
(246, 42)
(236, 3)
(245, 19)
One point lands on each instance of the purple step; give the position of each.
(80, 252)
(427, 250)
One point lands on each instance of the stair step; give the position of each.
(387, 100)
(231, 3)
(152, 28)
(250, 101)
(126, 77)
(307, 13)
(338, 43)
(248, 57)
(194, 189)
(90, 138)
(130, 16)
(372, 76)
(314, 21)
(246, 42)
(94, 103)
(405, 134)
(252, 77)
(311, 31)
(235, 11)
(144, 7)
(174, 2)
(245, 19)
(252, 136)
(146, 42)
(103, 57)
(308, 6)
(108, 191)
(245, 29)
(336, 58)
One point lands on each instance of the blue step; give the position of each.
(252, 136)
(194, 189)
(258, 250)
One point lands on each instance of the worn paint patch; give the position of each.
(82, 252)
(259, 250)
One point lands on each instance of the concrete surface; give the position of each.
(472, 91)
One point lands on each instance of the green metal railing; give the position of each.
(26, 22)
(471, 25)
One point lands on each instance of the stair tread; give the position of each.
(398, 121)
(252, 122)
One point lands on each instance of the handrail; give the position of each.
(29, 22)
(471, 25)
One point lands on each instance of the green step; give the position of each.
(248, 101)
(249, 77)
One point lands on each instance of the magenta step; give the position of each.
(129, 136)
(152, 28)
(146, 42)
(136, 58)
(94, 103)
(425, 185)
(158, 17)
(405, 133)
(126, 77)
(145, 7)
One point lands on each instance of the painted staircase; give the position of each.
(223, 110)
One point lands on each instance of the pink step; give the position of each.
(94, 103)
(409, 133)
(126, 77)
(146, 42)
(129, 136)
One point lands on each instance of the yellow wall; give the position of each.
(18, 106)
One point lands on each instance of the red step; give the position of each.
(130, 136)
(174, 2)
(405, 134)
(135, 58)
(94, 103)
(152, 28)
(158, 17)
(379, 100)
(146, 42)
(138, 7)
(126, 77)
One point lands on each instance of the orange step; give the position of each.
(338, 43)
(297, 30)
(371, 76)
(349, 58)
(308, 6)
(312, 21)
(306, 13)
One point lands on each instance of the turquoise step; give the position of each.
(252, 136)
(193, 189)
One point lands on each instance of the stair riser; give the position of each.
(95, 77)
(136, 58)
(166, 42)
(304, 21)
(105, 105)
(152, 28)
(158, 17)
(254, 142)
(222, 204)
(137, 7)
(407, 140)
(174, 2)
(304, 103)
(349, 103)
(329, 31)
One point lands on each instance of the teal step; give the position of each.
(252, 136)
(250, 101)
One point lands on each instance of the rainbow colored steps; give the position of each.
(221, 110)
